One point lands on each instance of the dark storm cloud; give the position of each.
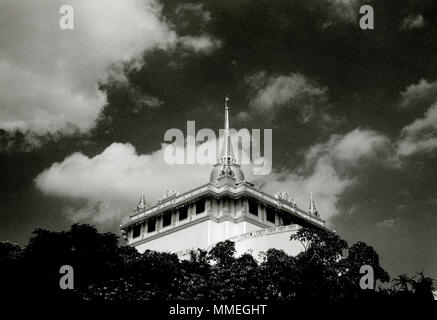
(364, 93)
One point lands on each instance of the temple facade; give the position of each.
(227, 207)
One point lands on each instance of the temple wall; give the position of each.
(248, 238)
(258, 244)
(200, 235)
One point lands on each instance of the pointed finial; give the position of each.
(227, 112)
(142, 204)
(312, 208)
(227, 154)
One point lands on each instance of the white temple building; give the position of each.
(227, 207)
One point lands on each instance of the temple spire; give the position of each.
(312, 208)
(227, 154)
(226, 166)
(226, 113)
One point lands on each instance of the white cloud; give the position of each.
(34, 102)
(358, 144)
(420, 135)
(413, 22)
(112, 181)
(351, 147)
(277, 91)
(324, 182)
(325, 164)
(423, 92)
(49, 76)
(203, 44)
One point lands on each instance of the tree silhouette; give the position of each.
(326, 270)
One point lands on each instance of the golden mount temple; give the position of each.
(227, 207)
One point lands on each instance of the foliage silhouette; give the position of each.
(326, 270)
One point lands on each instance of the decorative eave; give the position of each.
(238, 191)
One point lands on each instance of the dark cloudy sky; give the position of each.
(83, 112)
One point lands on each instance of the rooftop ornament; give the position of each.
(142, 204)
(312, 209)
(169, 194)
(284, 197)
